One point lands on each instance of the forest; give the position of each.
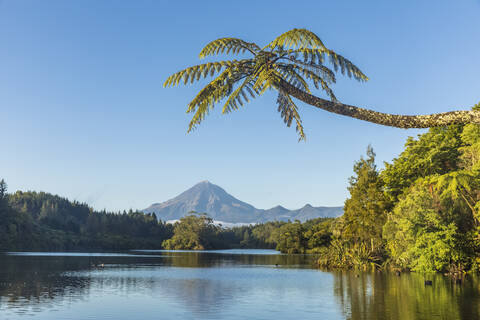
(45, 222)
(421, 212)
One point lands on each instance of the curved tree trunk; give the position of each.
(386, 119)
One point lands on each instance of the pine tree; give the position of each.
(364, 212)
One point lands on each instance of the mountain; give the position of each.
(221, 206)
(204, 197)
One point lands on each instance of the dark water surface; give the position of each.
(227, 284)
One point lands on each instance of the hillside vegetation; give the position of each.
(420, 213)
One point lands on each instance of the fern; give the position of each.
(289, 111)
(196, 72)
(205, 100)
(228, 45)
(317, 79)
(291, 76)
(297, 56)
(297, 38)
(346, 66)
(235, 98)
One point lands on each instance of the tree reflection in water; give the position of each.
(210, 285)
(372, 296)
(34, 282)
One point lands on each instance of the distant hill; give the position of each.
(221, 206)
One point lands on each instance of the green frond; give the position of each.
(289, 111)
(346, 66)
(318, 69)
(316, 56)
(297, 38)
(291, 76)
(196, 72)
(235, 99)
(318, 80)
(298, 56)
(264, 79)
(205, 100)
(453, 184)
(228, 45)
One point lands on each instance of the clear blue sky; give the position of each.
(83, 113)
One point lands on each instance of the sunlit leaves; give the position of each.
(245, 90)
(196, 72)
(227, 46)
(289, 112)
(297, 38)
(297, 57)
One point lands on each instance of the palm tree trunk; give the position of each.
(386, 119)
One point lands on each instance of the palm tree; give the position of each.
(288, 64)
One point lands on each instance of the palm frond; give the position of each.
(297, 38)
(227, 45)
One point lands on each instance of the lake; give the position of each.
(225, 284)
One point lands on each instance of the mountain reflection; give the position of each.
(30, 283)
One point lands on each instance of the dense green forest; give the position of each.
(41, 221)
(420, 213)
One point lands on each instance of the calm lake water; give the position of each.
(227, 284)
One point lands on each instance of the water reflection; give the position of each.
(228, 285)
(387, 296)
(32, 282)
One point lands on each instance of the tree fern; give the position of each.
(301, 38)
(228, 45)
(288, 64)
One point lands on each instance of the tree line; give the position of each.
(420, 213)
(42, 221)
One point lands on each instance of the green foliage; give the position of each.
(297, 38)
(318, 234)
(435, 152)
(419, 237)
(265, 234)
(41, 221)
(421, 213)
(365, 210)
(470, 152)
(193, 232)
(435, 183)
(196, 72)
(290, 238)
(278, 61)
(228, 45)
(357, 234)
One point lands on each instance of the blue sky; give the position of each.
(83, 113)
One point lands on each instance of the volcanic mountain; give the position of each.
(221, 206)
